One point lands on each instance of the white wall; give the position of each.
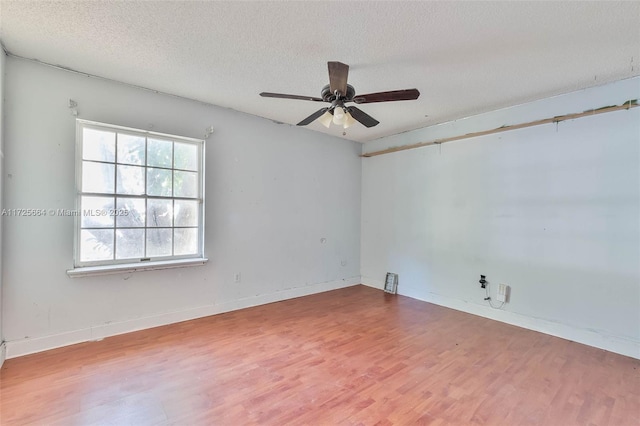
(551, 211)
(2, 66)
(272, 193)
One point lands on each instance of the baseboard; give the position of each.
(16, 348)
(3, 353)
(610, 343)
(372, 282)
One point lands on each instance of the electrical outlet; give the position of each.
(502, 293)
(236, 277)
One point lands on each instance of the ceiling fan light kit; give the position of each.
(338, 92)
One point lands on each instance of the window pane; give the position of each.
(185, 156)
(159, 153)
(139, 196)
(98, 145)
(130, 180)
(96, 244)
(185, 184)
(131, 149)
(159, 213)
(159, 182)
(97, 212)
(186, 241)
(185, 213)
(98, 177)
(159, 242)
(135, 212)
(129, 243)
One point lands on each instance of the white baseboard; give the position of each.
(16, 348)
(610, 343)
(372, 282)
(3, 353)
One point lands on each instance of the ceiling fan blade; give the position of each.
(394, 95)
(338, 73)
(362, 117)
(313, 116)
(283, 96)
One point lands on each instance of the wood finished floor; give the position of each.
(354, 356)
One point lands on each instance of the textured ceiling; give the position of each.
(464, 57)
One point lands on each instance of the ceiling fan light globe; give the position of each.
(348, 120)
(325, 119)
(338, 116)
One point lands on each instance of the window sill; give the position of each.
(134, 267)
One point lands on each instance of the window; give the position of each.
(140, 197)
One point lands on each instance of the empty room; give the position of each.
(319, 213)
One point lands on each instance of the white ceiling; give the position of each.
(464, 57)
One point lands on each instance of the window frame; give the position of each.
(115, 265)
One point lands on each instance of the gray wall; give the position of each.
(273, 192)
(551, 211)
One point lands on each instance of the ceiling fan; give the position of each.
(338, 93)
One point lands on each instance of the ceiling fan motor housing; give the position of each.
(327, 96)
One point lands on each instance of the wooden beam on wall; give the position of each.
(627, 105)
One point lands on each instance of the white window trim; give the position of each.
(86, 271)
(123, 266)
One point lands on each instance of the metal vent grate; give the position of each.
(391, 283)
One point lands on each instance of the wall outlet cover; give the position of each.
(502, 293)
